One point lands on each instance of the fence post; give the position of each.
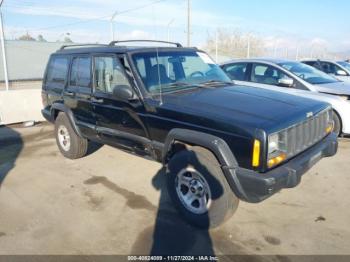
(2, 36)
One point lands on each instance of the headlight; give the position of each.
(273, 143)
(277, 148)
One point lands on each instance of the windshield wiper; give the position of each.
(215, 83)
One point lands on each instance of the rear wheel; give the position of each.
(199, 188)
(70, 144)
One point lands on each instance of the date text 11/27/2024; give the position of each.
(172, 258)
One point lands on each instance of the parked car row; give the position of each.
(219, 142)
(340, 69)
(295, 78)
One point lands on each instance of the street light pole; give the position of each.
(188, 22)
(4, 61)
(168, 28)
(112, 24)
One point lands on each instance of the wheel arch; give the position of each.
(335, 111)
(214, 144)
(57, 108)
(195, 138)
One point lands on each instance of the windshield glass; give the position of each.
(177, 70)
(345, 64)
(308, 73)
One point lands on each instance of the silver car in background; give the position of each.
(340, 70)
(295, 78)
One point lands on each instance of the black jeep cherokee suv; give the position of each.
(219, 142)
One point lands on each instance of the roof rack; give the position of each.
(148, 41)
(77, 45)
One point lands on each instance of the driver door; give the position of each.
(118, 121)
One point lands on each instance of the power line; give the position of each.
(99, 18)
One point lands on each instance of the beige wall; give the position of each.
(20, 106)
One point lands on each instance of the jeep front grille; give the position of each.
(306, 134)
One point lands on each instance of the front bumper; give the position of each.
(254, 187)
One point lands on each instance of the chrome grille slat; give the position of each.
(306, 134)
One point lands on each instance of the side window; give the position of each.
(310, 63)
(335, 68)
(140, 63)
(314, 64)
(236, 71)
(57, 71)
(266, 74)
(81, 72)
(108, 74)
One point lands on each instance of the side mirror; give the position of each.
(286, 82)
(123, 92)
(341, 73)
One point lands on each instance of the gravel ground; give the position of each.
(112, 202)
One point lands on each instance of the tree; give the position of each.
(26, 37)
(67, 40)
(234, 44)
(40, 38)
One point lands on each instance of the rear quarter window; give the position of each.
(57, 71)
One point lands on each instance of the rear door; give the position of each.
(77, 95)
(56, 78)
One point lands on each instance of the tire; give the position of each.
(70, 144)
(221, 202)
(337, 124)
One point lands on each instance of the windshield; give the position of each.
(308, 73)
(177, 70)
(345, 64)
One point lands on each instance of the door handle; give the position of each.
(97, 100)
(68, 93)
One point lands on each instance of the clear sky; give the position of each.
(290, 22)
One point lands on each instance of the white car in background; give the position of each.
(340, 70)
(296, 79)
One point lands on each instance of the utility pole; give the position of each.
(2, 36)
(297, 54)
(248, 47)
(216, 45)
(188, 22)
(112, 24)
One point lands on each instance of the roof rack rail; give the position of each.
(77, 45)
(148, 41)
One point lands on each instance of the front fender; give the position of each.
(216, 145)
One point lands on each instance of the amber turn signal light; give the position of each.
(256, 153)
(276, 160)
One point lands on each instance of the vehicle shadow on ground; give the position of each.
(93, 147)
(171, 234)
(11, 145)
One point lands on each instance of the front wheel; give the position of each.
(199, 189)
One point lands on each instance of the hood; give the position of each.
(243, 106)
(337, 88)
